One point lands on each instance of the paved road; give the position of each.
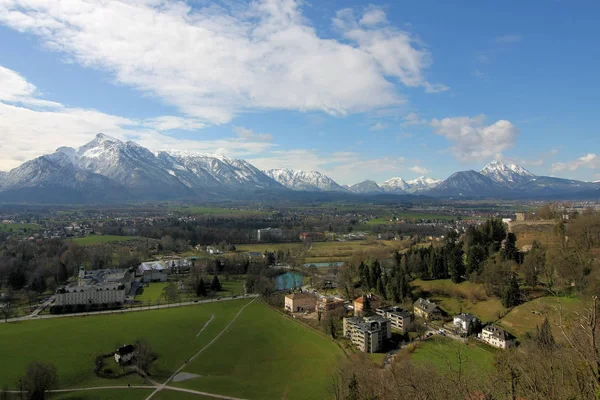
(126, 310)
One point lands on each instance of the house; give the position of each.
(497, 337)
(400, 319)
(368, 334)
(152, 271)
(300, 301)
(311, 236)
(359, 304)
(213, 250)
(465, 322)
(124, 354)
(329, 303)
(426, 309)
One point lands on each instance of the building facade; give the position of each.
(465, 323)
(102, 287)
(426, 309)
(269, 234)
(359, 304)
(497, 337)
(152, 271)
(368, 334)
(300, 302)
(400, 319)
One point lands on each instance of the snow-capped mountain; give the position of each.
(366, 187)
(395, 185)
(509, 175)
(466, 183)
(304, 180)
(136, 172)
(423, 183)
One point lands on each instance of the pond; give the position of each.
(289, 280)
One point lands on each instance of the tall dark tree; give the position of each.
(367, 306)
(511, 296)
(534, 263)
(215, 285)
(456, 266)
(353, 389)
(544, 337)
(38, 379)
(201, 288)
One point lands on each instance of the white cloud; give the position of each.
(419, 170)
(482, 58)
(249, 134)
(378, 126)
(214, 62)
(373, 16)
(412, 118)
(475, 141)
(42, 130)
(508, 39)
(591, 161)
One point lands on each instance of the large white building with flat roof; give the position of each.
(102, 287)
(152, 271)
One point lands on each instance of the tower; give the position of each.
(81, 275)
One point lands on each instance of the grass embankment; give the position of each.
(73, 343)
(105, 394)
(264, 355)
(445, 355)
(467, 296)
(526, 317)
(97, 239)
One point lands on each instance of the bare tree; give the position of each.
(143, 356)
(38, 379)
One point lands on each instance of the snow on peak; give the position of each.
(395, 184)
(303, 180)
(506, 174)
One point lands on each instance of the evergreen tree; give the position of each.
(353, 393)
(511, 296)
(544, 337)
(381, 288)
(456, 267)
(475, 258)
(535, 261)
(367, 309)
(215, 285)
(201, 289)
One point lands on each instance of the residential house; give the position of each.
(124, 354)
(152, 271)
(427, 309)
(359, 304)
(465, 323)
(367, 334)
(400, 319)
(213, 250)
(329, 303)
(300, 301)
(497, 337)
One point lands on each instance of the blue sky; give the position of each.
(353, 89)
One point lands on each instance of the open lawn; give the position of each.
(104, 394)
(444, 353)
(96, 239)
(17, 227)
(265, 355)
(526, 317)
(72, 343)
(152, 293)
(464, 297)
(332, 250)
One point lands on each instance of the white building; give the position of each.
(465, 322)
(103, 287)
(152, 271)
(267, 234)
(368, 334)
(124, 354)
(497, 337)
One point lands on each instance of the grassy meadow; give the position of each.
(16, 227)
(72, 343)
(443, 353)
(220, 212)
(104, 394)
(265, 355)
(97, 239)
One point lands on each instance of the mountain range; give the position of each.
(109, 170)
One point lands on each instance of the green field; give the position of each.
(526, 317)
(73, 343)
(16, 227)
(96, 239)
(152, 293)
(444, 353)
(265, 355)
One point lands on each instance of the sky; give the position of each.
(356, 90)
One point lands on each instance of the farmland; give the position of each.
(97, 239)
(265, 355)
(17, 227)
(221, 212)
